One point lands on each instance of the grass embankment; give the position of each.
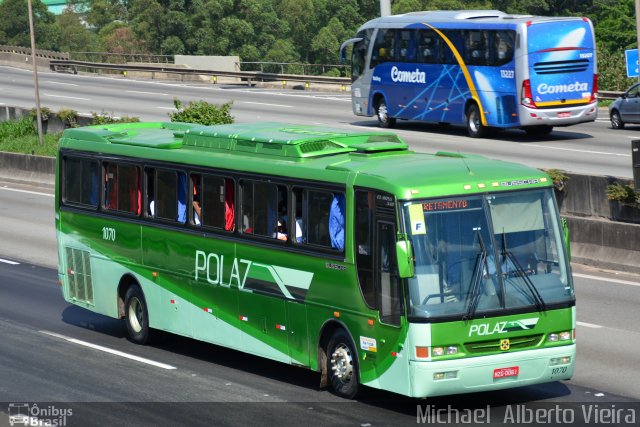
(21, 137)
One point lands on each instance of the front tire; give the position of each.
(342, 365)
(136, 315)
(616, 120)
(475, 128)
(384, 121)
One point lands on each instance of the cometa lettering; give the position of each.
(416, 76)
(544, 88)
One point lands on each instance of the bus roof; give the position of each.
(461, 17)
(374, 159)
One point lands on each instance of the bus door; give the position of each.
(375, 239)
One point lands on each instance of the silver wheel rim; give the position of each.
(136, 315)
(382, 112)
(615, 120)
(474, 121)
(342, 364)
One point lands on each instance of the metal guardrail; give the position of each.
(249, 76)
(39, 52)
(604, 94)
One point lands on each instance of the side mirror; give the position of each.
(565, 235)
(404, 255)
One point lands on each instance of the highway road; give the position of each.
(591, 148)
(51, 351)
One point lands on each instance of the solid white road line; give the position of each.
(588, 325)
(604, 279)
(147, 93)
(6, 261)
(66, 97)
(61, 83)
(268, 105)
(580, 151)
(37, 193)
(166, 108)
(110, 350)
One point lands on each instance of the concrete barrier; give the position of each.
(27, 168)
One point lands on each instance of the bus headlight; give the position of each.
(449, 350)
(559, 336)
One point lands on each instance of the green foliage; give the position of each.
(14, 24)
(68, 116)
(45, 112)
(623, 193)
(202, 112)
(105, 118)
(559, 178)
(17, 128)
(19, 136)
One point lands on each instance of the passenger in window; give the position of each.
(197, 210)
(229, 209)
(182, 197)
(337, 221)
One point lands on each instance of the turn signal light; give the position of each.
(422, 352)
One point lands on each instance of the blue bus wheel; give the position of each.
(475, 128)
(383, 115)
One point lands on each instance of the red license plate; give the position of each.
(564, 114)
(513, 371)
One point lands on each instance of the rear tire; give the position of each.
(136, 315)
(342, 365)
(384, 121)
(616, 120)
(475, 128)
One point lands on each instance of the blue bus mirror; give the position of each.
(404, 255)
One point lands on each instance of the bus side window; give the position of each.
(407, 50)
(363, 223)
(81, 181)
(213, 201)
(318, 208)
(122, 188)
(260, 203)
(166, 195)
(384, 47)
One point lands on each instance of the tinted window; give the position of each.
(122, 188)
(80, 181)
(363, 220)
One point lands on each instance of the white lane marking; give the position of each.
(66, 97)
(6, 261)
(110, 350)
(268, 105)
(61, 83)
(37, 193)
(148, 93)
(604, 279)
(588, 325)
(579, 151)
(167, 108)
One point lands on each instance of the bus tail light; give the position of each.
(594, 91)
(527, 96)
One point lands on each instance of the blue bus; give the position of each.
(483, 69)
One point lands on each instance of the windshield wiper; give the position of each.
(478, 272)
(507, 255)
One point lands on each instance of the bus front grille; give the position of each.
(79, 273)
(561, 67)
(491, 346)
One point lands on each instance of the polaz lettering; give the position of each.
(416, 76)
(212, 265)
(544, 88)
(484, 329)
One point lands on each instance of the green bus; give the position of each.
(342, 252)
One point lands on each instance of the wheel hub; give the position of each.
(342, 363)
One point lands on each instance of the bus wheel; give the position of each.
(616, 120)
(538, 130)
(475, 129)
(342, 365)
(383, 115)
(136, 315)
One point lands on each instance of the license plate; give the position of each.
(564, 115)
(513, 371)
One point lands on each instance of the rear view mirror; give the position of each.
(566, 237)
(404, 255)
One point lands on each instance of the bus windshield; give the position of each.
(485, 254)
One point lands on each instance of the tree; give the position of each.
(14, 24)
(74, 36)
